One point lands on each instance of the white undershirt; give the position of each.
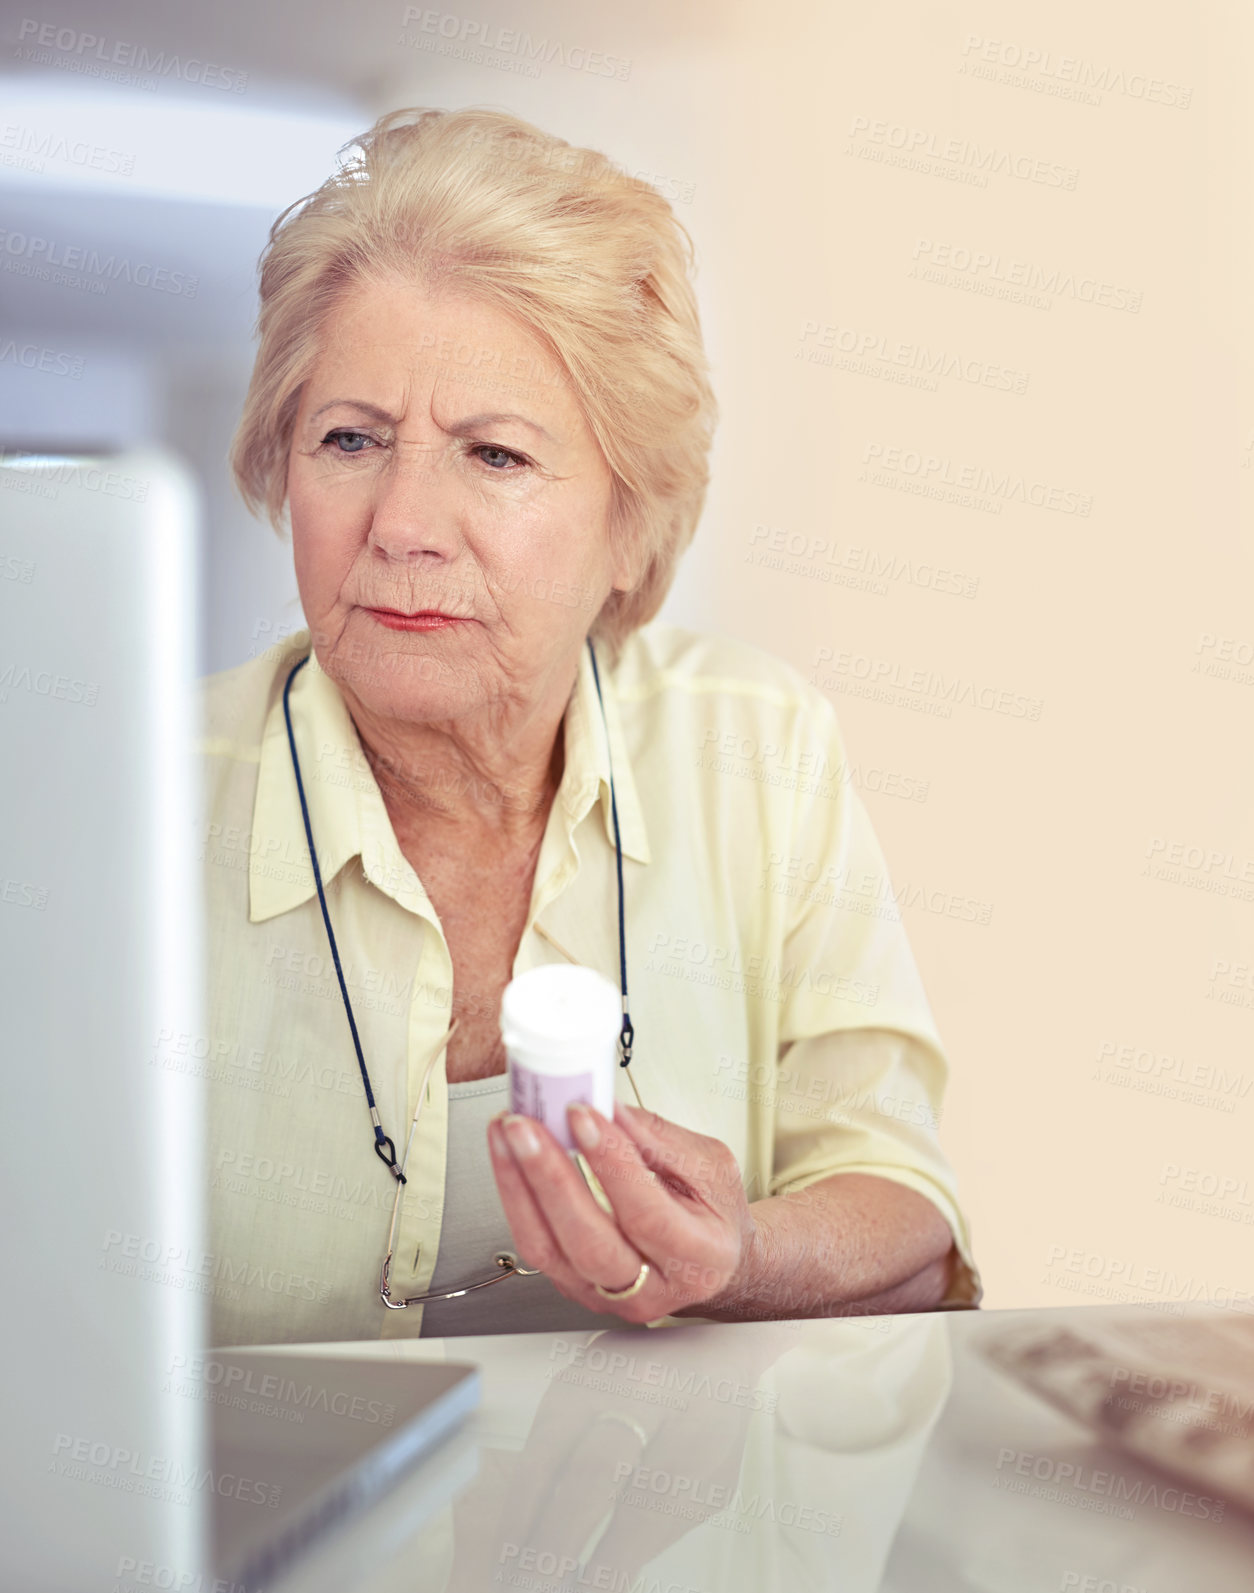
(475, 1229)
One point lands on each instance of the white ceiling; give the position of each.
(213, 167)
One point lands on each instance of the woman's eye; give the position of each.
(498, 458)
(346, 442)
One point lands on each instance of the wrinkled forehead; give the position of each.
(394, 345)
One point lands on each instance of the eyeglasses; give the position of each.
(505, 1260)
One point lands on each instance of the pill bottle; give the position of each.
(560, 1026)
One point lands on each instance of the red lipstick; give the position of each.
(425, 620)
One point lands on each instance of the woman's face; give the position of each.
(440, 465)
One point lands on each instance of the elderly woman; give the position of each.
(480, 396)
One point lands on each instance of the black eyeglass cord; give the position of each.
(384, 1149)
(628, 1033)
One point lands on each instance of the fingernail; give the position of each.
(522, 1137)
(583, 1126)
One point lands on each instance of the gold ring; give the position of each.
(632, 1288)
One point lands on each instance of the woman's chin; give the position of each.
(394, 679)
(409, 699)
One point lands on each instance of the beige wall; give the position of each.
(1074, 832)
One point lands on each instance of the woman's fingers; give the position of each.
(678, 1156)
(646, 1209)
(691, 1221)
(556, 1223)
(533, 1238)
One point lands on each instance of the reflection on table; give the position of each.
(924, 1454)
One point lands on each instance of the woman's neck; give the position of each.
(432, 782)
(437, 780)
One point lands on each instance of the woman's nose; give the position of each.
(418, 506)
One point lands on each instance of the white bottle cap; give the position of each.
(560, 1012)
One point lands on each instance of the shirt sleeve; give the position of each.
(861, 1072)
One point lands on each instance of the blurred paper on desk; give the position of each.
(1179, 1394)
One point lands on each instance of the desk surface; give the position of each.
(883, 1454)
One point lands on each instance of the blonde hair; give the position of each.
(590, 260)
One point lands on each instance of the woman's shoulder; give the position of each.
(662, 659)
(236, 702)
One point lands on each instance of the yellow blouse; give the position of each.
(775, 999)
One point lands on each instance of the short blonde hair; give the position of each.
(590, 260)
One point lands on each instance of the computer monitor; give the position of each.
(121, 1458)
(100, 1178)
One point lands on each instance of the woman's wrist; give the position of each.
(746, 1295)
(822, 1251)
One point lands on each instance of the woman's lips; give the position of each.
(426, 620)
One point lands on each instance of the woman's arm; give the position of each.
(848, 1245)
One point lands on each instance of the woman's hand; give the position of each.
(677, 1199)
